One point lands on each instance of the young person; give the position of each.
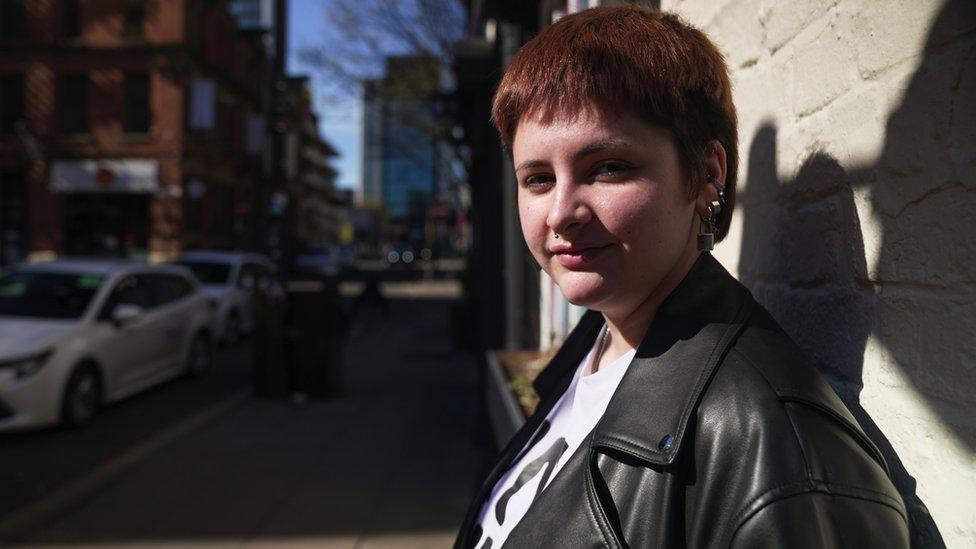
(677, 413)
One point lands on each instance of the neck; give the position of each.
(627, 327)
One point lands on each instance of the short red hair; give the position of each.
(633, 58)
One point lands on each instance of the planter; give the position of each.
(510, 397)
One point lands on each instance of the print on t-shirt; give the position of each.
(545, 463)
(563, 431)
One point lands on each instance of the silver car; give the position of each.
(75, 334)
(229, 280)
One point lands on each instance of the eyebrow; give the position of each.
(592, 148)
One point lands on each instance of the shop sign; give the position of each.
(129, 175)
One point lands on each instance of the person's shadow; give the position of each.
(803, 252)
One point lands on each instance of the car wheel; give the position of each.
(82, 396)
(232, 330)
(200, 358)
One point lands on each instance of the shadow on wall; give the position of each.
(803, 253)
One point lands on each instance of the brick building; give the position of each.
(128, 128)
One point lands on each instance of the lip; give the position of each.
(578, 257)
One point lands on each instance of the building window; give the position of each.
(11, 102)
(75, 104)
(137, 117)
(13, 19)
(134, 13)
(71, 18)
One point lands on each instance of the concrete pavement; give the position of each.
(391, 462)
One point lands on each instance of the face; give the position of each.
(612, 188)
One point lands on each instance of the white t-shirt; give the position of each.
(567, 424)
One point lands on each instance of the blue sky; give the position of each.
(339, 120)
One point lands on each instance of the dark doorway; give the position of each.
(106, 225)
(13, 218)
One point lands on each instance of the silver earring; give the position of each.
(555, 234)
(707, 227)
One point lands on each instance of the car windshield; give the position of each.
(208, 272)
(47, 295)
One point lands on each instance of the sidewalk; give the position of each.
(390, 463)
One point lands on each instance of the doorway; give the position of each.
(106, 225)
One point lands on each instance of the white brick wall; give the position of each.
(856, 224)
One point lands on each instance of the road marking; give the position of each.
(33, 514)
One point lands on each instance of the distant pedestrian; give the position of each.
(677, 413)
(371, 296)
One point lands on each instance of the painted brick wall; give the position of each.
(856, 218)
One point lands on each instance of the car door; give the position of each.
(130, 351)
(174, 314)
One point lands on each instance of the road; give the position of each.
(38, 463)
(390, 460)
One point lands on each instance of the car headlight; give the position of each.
(26, 366)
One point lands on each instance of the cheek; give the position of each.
(630, 215)
(532, 217)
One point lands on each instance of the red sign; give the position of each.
(105, 177)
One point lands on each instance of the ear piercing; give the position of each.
(707, 227)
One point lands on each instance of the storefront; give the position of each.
(106, 205)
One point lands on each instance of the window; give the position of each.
(75, 104)
(137, 117)
(71, 18)
(47, 295)
(133, 290)
(134, 13)
(169, 288)
(208, 272)
(11, 102)
(13, 20)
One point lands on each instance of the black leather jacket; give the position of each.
(719, 435)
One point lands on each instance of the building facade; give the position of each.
(400, 154)
(318, 208)
(129, 129)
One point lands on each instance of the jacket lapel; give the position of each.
(550, 385)
(691, 332)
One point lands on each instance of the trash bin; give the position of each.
(269, 358)
(314, 327)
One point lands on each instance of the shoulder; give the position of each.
(772, 417)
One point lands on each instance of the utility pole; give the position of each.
(279, 238)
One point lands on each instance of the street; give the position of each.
(391, 461)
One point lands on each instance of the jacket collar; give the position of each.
(693, 329)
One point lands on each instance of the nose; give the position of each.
(568, 210)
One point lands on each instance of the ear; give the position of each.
(715, 171)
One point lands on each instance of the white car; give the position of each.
(75, 334)
(228, 279)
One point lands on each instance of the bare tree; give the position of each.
(362, 34)
(399, 51)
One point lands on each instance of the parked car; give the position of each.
(75, 334)
(228, 280)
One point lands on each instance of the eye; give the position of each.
(612, 170)
(538, 182)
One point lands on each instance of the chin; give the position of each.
(583, 289)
